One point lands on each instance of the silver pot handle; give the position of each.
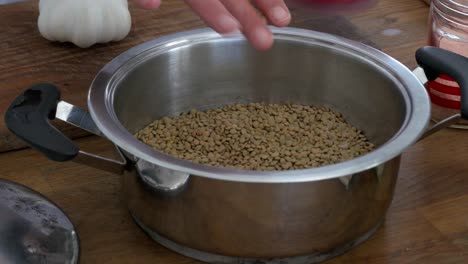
(76, 116)
(160, 180)
(445, 123)
(435, 61)
(80, 118)
(419, 73)
(28, 118)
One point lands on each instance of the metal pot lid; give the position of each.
(33, 229)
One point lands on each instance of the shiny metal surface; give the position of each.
(102, 163)
(251, 214)
(420, 74)
(161, 180)
(33, 230)
(220, 259)
(265, 220)
(449, 121)
(80, 118)
(76, 116)
(200, 69)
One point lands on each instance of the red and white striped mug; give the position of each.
(444, 92)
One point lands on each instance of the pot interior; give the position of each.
(226, 71)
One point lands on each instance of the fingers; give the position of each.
(226, 16)
(276, 11)
(253, 26)
(148, 4)
(215, 15)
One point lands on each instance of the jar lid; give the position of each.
(33, 229)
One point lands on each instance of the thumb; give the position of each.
(148, 4)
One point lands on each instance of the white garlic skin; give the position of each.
(84, 22)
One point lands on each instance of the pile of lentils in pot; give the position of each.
(258, 136)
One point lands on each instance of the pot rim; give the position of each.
(417, 102)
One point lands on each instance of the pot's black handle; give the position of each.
(437, 61)
(28, 118)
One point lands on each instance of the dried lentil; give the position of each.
(258, 136)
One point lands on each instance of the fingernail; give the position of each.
(228, 24)
(263, 38)
(279, 14)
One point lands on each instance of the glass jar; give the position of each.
(448, 29)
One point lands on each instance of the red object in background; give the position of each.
(445, 92)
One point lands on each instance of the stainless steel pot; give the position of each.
(224, 215)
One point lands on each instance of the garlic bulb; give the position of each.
(84, 22)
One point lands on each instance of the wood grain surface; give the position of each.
(27, 58)
(428, 219)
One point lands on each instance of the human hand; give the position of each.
(227, 16)
(148, 4)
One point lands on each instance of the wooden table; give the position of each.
(428, 219)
